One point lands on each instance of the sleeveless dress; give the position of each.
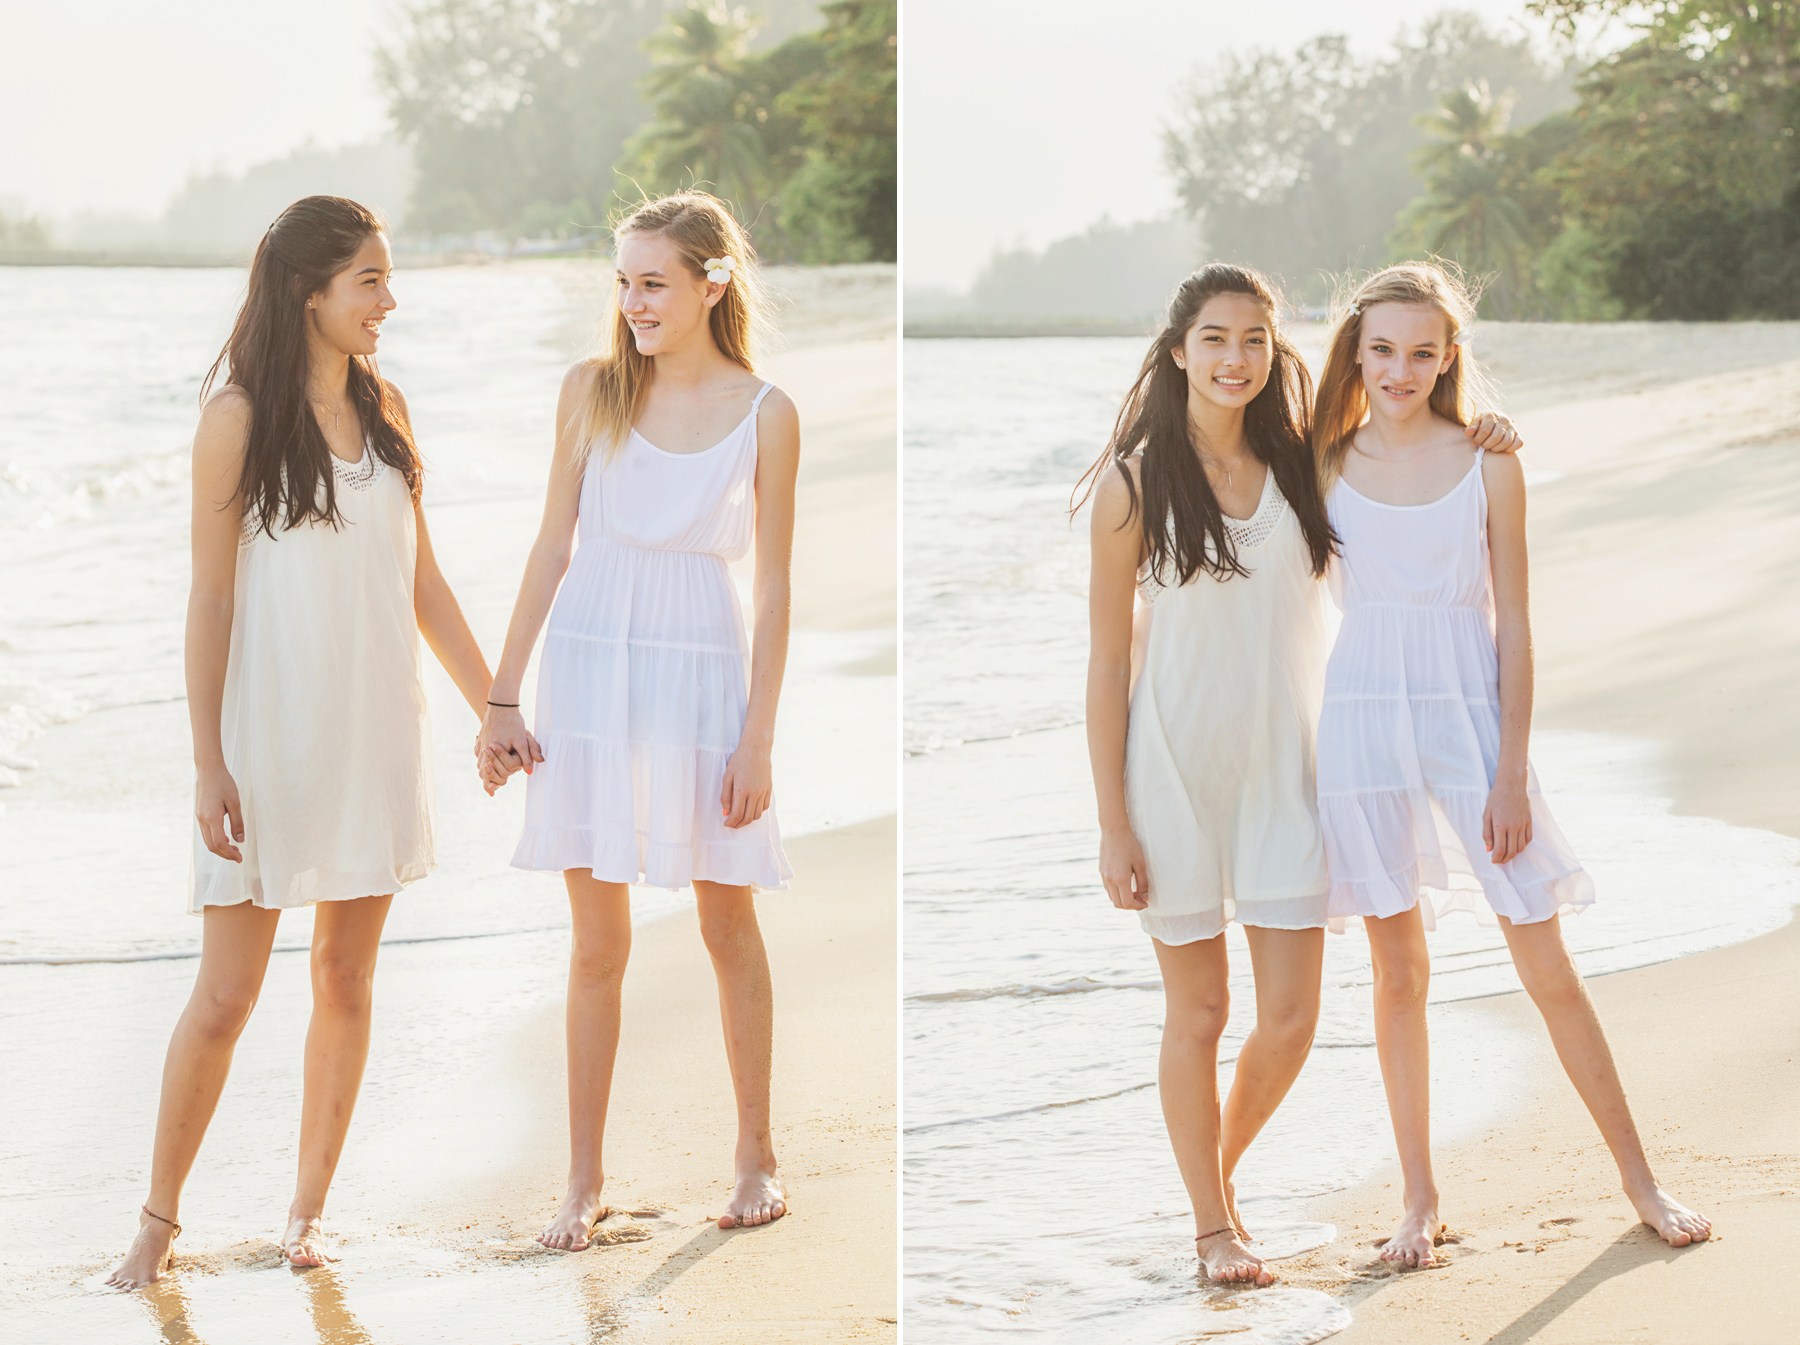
(323, 721)
(643, 682)
(1219, 746)
(1410, 735)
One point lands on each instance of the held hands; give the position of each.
(504, 747)
(749, 783)
(1123, 870)
(220, 814)
(1506, 822)
(1494, 432)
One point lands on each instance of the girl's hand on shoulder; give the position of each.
(219, 813)
(1506, 822)
(748, 786)
(1123, 870)
(1495, 433)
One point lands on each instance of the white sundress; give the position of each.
(1409, 738)
(1219, 746)
(643, 682)
(323, 720)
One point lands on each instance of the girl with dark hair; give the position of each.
(673, 458)
(313, 578)
(1201, 720)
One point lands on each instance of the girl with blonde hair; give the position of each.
(1209, 544)
(673, 458)
(1424, 785)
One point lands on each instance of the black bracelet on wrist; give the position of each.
(500, 705)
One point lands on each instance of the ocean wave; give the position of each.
(1081, 985)
(41, 499)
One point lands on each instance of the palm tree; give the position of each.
(1466, 212)
(704, 130)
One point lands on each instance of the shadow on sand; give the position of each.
(1631, 1249)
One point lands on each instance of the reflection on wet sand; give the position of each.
(331, 1315)
(170, 1308)
(606, 1319)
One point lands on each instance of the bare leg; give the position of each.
(346, 940)
(1550, 978)
(746, 1008)
(234, 954)
(1288, 965)
(1402, 976)
(597, 955)
(1198, 1002)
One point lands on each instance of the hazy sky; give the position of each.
(111, 104)
(1029, 122)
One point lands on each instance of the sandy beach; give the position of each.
(1665, 527)
(459, 1148)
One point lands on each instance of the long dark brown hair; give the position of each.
(1183, 525)
(287, 479)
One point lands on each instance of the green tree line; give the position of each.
(1659, 182)
(547, 117)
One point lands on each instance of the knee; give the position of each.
(1555, 985)
(1197, 1023)
(598, 963)
(342, 984)
(1290, 1028)
(1401, 983)
(219, 1013)
(728, 927)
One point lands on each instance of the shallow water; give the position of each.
(96, 784)
(1041, 1195)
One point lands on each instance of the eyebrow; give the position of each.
(1416, 345)
(367, 270)
(658, 274)
(1220, 327)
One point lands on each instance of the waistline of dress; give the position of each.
(605, 543)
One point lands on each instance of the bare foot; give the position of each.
(758, 1198)
(1226, 1260)
(1231, 1212)
(1674, 1222)
(148, 1258)
(303, 1243)
(573, 1227)
(1411, 1242)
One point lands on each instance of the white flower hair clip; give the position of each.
(718, 269)
(1356, 310)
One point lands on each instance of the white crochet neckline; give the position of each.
(1256, 529)
(1246, 534)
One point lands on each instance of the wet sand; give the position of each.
(1665, 605)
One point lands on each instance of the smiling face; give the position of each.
(664, 299)
(1403, 349)
(347, 314)
(1226, 352)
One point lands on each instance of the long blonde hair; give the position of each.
(702, 229)
(1343, 405)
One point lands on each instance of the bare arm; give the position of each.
(1117, 550)
(219, 445)
(1506, 824)
(503, 732)
(749, 779)
(442, 624)
(440, 617)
